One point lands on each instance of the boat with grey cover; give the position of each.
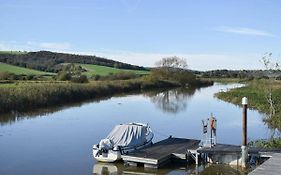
(124, 138)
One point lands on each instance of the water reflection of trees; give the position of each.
(174, 168)
(172, 101)
(14, 116)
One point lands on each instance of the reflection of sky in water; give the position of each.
(62, 140)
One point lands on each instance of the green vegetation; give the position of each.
(52, 61)
(73, 73)
(23, 96)
(117, 76)
(174, 69)
(240, 74)
(20, 70)
(256, 92)
(271, 143)
(13, 52)
(71, 84)
(104, 70)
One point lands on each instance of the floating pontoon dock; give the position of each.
(170, 149)
(270, 167)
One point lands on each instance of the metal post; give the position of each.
(245, 105)
(196, 158)
(244, 148)
(211, 136)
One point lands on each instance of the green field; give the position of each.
(91, 70)
(103, 70)
(13, 52)
(20, 70)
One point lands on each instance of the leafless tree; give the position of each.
(173, 68)
(172, 63)
(270, 68)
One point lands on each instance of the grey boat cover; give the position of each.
(128, 135)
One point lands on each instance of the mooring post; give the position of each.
(244, 148)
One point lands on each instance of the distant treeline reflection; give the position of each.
(168, 100)
(171, 101)
(14, 116)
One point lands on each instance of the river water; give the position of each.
(59, 141)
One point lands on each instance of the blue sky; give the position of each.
(231, 34)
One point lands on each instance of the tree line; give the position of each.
(250, 74)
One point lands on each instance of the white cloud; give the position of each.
(54, 46)
(13, 45)
(34, 46)
(131, 5)
(3, 46)
(244, 31)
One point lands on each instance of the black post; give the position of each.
(244, 149)
(244, 122)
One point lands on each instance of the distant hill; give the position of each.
(224, 73)
(20, 70)
(51, 61)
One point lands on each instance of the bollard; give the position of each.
(244, 148)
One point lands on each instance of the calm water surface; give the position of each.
(60, 142)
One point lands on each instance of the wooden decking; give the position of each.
(164, 151)
(161, 152)
(221, 148)
(270, 167)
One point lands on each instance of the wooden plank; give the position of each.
(270, 167)
(162, 151)
(221, 148)
(166, 147)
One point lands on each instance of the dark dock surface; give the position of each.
(164, 151)
(221, 148)
(161, 152)
(270, 167)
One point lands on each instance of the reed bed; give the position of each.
(24, 96)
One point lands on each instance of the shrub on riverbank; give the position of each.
(26, 96)
(117, 76)
(271, 143)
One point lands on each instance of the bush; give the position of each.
(79, 79)
(6, 76)
(96, 77)
(117, 76)
(30, 77)
(63, 76)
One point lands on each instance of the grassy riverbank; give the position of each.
(256, 92)
(23, 96)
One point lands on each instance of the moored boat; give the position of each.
(123, 139)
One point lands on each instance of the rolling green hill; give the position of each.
(104, 70)
(91, 70)
(49, 61)
(20, 70)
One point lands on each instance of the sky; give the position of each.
(217, 34)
